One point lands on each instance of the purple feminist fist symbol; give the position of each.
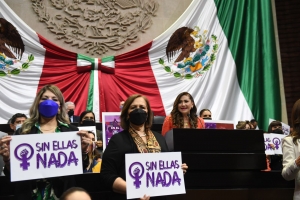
(276, 142)
(136, 174)
(24, 155)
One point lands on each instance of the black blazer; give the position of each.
(113, 160)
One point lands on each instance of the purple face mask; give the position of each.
(48, 108)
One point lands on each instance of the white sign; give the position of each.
(154, 174)
(35, 156)
(285, 127)
(275, 140)
(89, 128)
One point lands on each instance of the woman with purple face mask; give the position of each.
(47, 115)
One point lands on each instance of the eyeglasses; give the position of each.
(206, 115)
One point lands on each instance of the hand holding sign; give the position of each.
(145, 197)
(5, 147)
(184, 168)
(85, 140)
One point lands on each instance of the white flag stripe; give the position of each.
(17, 97)
(218, 88)
(96, 100)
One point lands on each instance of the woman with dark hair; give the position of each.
(291, 152)
(87, 118)
(47, 115)
(275, 127)
(136, 137)
(205, 114)
(183, 115)
(275, 160)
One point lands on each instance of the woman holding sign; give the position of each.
(47, 115)
(183, 114)
(87, 118)
(291, 151)
(136, 137)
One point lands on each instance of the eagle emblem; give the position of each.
(190, 53)
(11, 43)
(11, 50)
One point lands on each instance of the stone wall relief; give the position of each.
(97, 25)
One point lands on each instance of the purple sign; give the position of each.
(111, 125)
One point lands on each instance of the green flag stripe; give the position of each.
(108, 59)
(89, 104)
(248, 26)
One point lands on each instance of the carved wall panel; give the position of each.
(99, 27)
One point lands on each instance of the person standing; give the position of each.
(47, 115)
(291, 152)
(183, 115)
(136, 137)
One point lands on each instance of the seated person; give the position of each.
(17, 120)
(94, 157)
(87, 118)
(243, 125)
(183, 115)
(205, 114)
(70, 106)
(121, 105)
(275, 160)
(254, 124)
(2, 134)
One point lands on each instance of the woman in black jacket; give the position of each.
(136, 137)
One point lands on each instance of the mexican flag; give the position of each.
(232, 69)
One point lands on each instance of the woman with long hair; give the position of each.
(87, 118)
(47, 115)
(93, 156)
(291, 151)
(183, 115)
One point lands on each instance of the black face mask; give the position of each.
(207, 118)
(138, 116)
(71, 113)
(278, 131)
(88, 122)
